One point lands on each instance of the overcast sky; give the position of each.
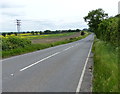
(50, 14)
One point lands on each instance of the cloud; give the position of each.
(73, 25)
(49, 25)
(9, 8)
(12, 14)
(52, 14)
(29, 25)
(37, 25)
(11, 4)
(6, 5)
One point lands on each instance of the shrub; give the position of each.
(13, 42)
(82, 33)
(4, 34)
(15, 34)
(108, 30)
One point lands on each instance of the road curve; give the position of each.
(55, 69)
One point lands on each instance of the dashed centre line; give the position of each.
(46, 58)
(39, 61)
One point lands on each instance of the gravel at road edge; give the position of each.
(87, 79)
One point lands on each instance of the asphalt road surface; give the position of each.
(55, 69)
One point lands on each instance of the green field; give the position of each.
(12, 46)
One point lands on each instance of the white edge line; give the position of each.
(83, 72)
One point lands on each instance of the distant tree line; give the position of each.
(42, 32)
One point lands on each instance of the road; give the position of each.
(55, 69)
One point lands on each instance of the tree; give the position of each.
(40, 32)
(28, 32)
(4, 34)
(32, 32)
(118, 15)
(119, 34)
(9, 34)
(78, 30)
(94, 18)
(15, 33)
(36, 32)
(47, 32)
(69, 30)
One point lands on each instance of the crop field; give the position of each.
(30, 36)
(50, 38)
(23, 43)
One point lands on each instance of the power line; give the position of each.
(18, 25)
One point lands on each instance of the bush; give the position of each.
(82, 33)
(4, 34)
(13, 42)
(108, 30)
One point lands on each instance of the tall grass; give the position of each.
(105, 67)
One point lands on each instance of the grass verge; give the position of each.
(35, 47)
(105, 71)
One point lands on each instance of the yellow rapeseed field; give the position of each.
(26, 35)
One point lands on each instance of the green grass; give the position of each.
(35, 47)
(105, 73)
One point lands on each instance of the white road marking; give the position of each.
(43, 59)
(83, 72)
(67, 48)
(39, 61)
(12, 74)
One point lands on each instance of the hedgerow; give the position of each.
(108, 30)
(13, 43)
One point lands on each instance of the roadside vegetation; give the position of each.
(12, 46)
(105, 67)
(106, 50)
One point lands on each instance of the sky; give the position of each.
(119, 7)
(50, 14)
